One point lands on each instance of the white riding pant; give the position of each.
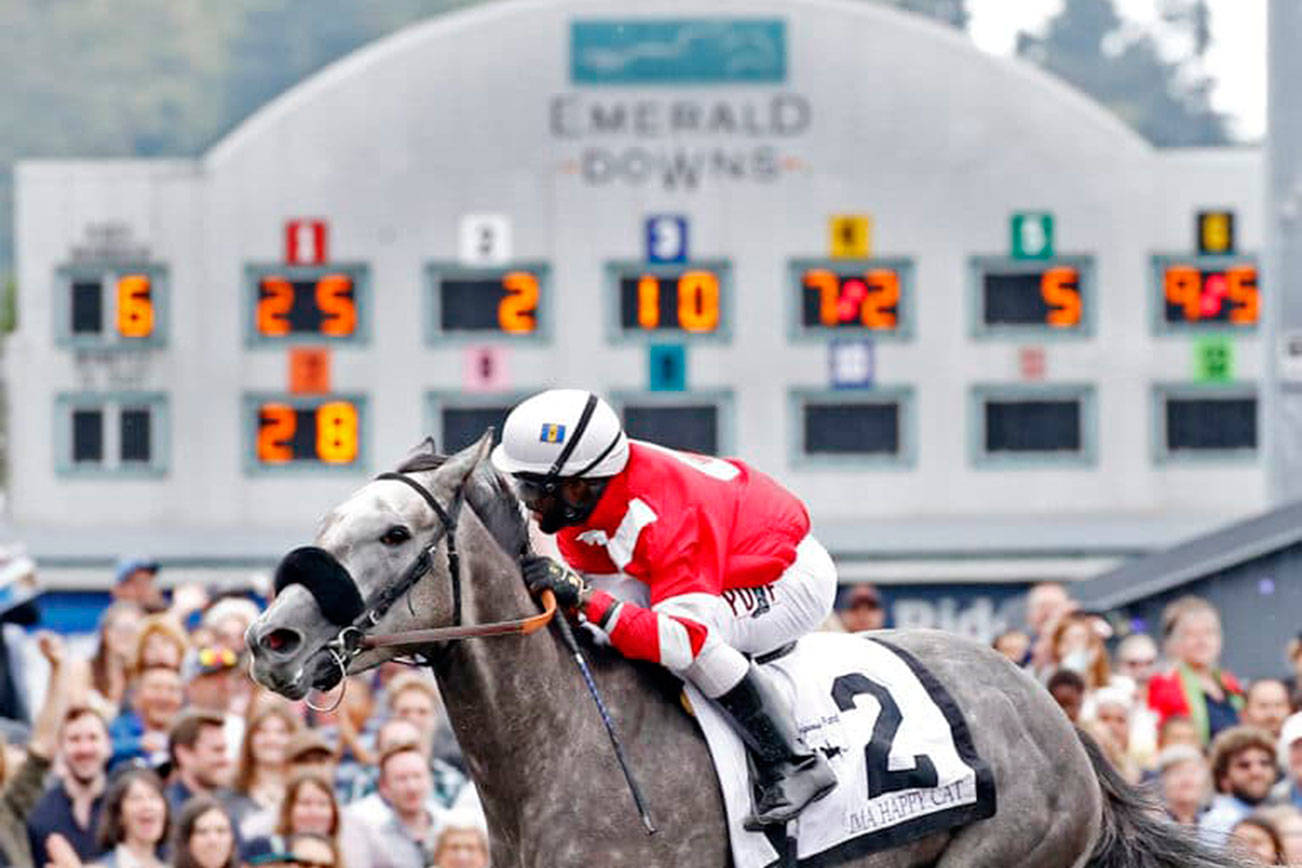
(754, 621)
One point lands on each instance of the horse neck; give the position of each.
(491, 684)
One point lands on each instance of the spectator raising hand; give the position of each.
(60, 854)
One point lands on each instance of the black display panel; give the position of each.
(852, 429)
(1029, 426)
(1211, 424)
(88, 435)
(87, 307)
(1049, 298)
(663, 300)
(838, 298)
(1196, 294)
(135, 439)
(325, 306)
(325, 431)
(505, 303)
(463, 426)
(689, 427)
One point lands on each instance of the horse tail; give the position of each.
(1135, 833)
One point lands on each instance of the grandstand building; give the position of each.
(989, 333)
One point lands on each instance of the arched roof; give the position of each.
(1021, 89)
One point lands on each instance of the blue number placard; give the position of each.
(666, 238)
(667, 366)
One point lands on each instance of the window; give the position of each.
(842, 427)
(111, 304)
(1034, 424)
(111, 434)
(1206, 422)
(692, 423)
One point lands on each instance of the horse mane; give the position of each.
(487, 492)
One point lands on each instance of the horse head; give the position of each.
(379, 564)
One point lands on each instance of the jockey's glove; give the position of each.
(544, 574)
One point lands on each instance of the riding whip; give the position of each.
(567, 636)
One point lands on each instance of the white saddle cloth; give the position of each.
(901, 751)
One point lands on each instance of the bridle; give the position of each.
(340, 599)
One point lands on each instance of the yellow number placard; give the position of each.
(849, 236)
(1215, 232)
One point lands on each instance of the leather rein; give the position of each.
(355, 637)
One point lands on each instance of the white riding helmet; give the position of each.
(562, 433)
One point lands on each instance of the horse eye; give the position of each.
(395, 536)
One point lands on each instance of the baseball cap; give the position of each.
(266, 849)
(209, 661)
(127, 566)
(304, 742)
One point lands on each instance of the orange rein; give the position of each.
(523, 626)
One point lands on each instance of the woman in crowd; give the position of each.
(263, 768)
(461, 843)
(1196, 687)
(1078, 647)
(133, 822)
(119, 629)
(1287, 820)
(162, 642)
(1256, 838)
(205, 837)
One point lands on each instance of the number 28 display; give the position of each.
(293, 431)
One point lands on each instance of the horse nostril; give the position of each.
(281, 641)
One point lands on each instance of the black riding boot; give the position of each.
(788, 775)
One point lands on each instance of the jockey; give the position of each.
(723, 553)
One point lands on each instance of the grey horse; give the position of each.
(539, 756)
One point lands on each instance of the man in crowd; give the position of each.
(142, 732)
(1289, 790)
(200, 766)
(1137, 660)
(136, 581)
(210, 688)
(1183, 783)
(1243, 771)
(403, 836)
(414, 698)
(71, 806)
(1265, 705)
(861, 609)
(1046, 602)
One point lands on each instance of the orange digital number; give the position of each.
(275, 299)
(883, 295)
(517, 313)
(135, 306)
(337, 306)
(698, 301)
(828, 287)
(1242, 281)
(1060, 289)
(336, 432)
(276, 426)
(648, 301)
(1182, 286)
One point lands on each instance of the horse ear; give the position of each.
(459, 467)
(424, 448)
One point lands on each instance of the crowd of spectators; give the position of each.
(157, 749)
(1221, 756)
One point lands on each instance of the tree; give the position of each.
(1168, 102)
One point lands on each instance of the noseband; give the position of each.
(341, 601)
